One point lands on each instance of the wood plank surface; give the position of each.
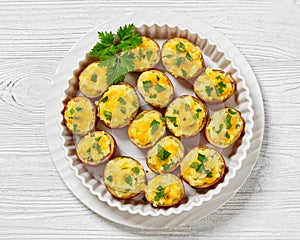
(35, 36)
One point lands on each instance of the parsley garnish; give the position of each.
(179, 61)
(111, 51)
(237, 125)
(154, 126)
(198, 110)
(196, 115)
(184, 73)
(189, 57)
(94, 78)
(134, 103)
(187, 107)
(166, 167)
(153, 95)
(162, 153)
(160, 194)
(149, 54)
(98, 148)
(97, 139)
(147, 84)
(159, 88)
(175, 111)
(208, 90)
(180, 47)
(139, 116)
(107, 115)
(109, 178)
(231, 111)
(199, 167)
(135, 170)
(219, 77)
(227, 135)
(123, 110)
(220, 128)
(121, 100)
(79, 109)
(75, 129)
(173, 120)
(104, 99)
(128, 180)
(141, 55)
(72, 111)
(227, 121)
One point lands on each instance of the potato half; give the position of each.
(156, 88)
(124, 177)
(164, 190)
(92, 80)
(166, 155)
(80, 115)
(146, 55)
(118, 105)
(214, 86)
(95, 148)
(224, 127)
(146, 129)
(182, 58)
(186, 116)
(202, 167)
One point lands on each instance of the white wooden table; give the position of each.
(35, 203)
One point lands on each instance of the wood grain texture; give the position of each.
(35, 36)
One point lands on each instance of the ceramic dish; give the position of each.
(218, 53)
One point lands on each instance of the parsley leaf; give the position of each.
(139, 116)
(94, 78)
(75, 129)
(184, 73)
(111, 51)
(149, 54)
(179, 61)
(227, 121)
(154, 126)
(162, 153)
(104, 99)
(160, 194)
(227, 135)
(135, 170)
(220, 128)
(159, 88)
(231, 111)
(201, 157)
(180, 48)
(175, 111)
(123, 110)
(98, 148)
(147, 84)
(208, 90)
(72, 111)
(121, 100)
(128, 180)
(166, 167)
(189, 57)
(187, 107)
(153, 95)
(109, 178)
(107, 115)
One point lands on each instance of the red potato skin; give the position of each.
(155, 63)
(113, 150)
(225, 99)
(217, 179)
(133, 115)
(132, 195)
(151, 144)
(95, 117)
(170, 169)
(222, 146)
(179, 77)
(203, 123)
(170, 83)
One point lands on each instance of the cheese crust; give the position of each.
(80, 115)
(156, 88)
(186, 116)
(95, 148)
(224, 127)
(164, 190)
(165, 155)
(214, 86)
(118, 105)
(146, 129)
(182, 58)
(202, 167)
(124, 177)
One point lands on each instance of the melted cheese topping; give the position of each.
(95, 147)
(124, 177)
(182, 58)
(224, 127)
(92, 80)
(204, 171)
(80, 115)
(146, 55)
(146, 128)
(185, 116)
(164, 190)
(214, 86)
(118, 105)
(166, 155)
(156, 88)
